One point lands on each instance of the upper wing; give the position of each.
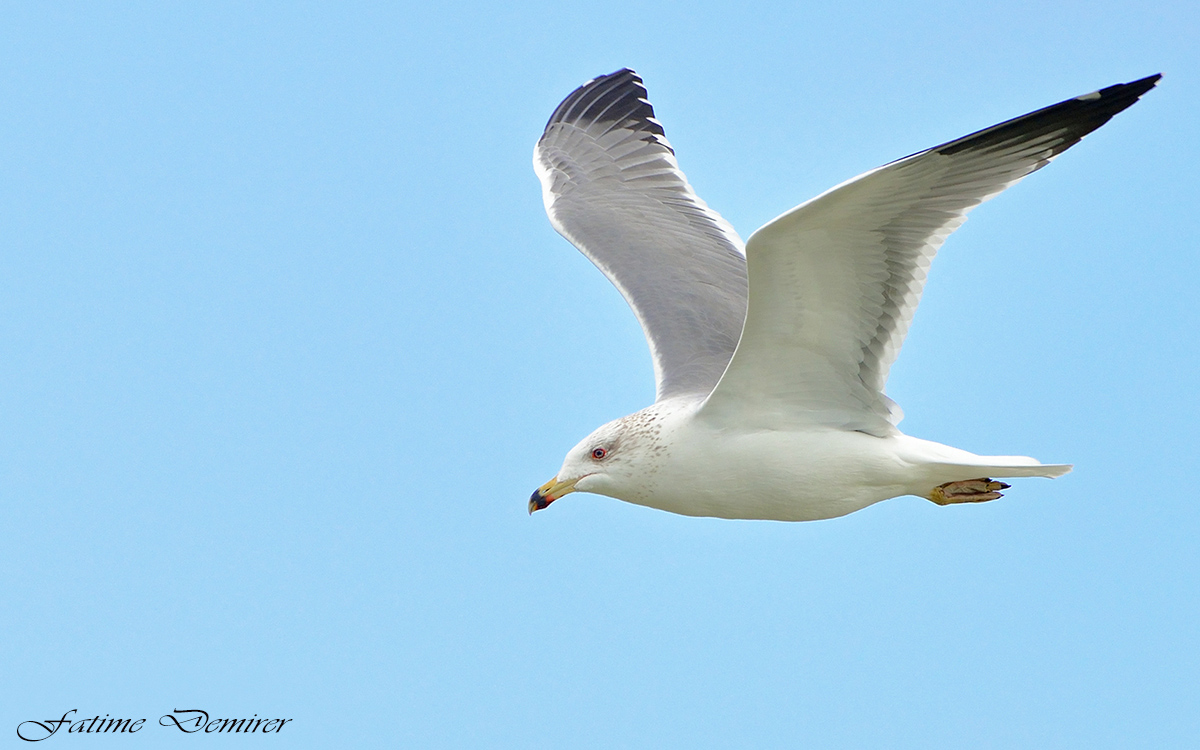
(613, 188)
(835, 281)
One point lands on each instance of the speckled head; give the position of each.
(615, 460)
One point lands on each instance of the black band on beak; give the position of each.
(537, 501)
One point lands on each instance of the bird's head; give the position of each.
(603, 462)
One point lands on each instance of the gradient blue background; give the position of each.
(286, 341)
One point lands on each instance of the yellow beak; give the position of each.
(549, 492)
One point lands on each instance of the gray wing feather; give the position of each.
(612, 187)
(835, 281)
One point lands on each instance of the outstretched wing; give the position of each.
(613, 188)
(836, 280)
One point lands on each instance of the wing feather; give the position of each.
(836, 280)
(612, 187)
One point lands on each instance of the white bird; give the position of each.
(770, 358)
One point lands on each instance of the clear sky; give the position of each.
(286, 341)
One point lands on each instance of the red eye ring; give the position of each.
(599, 453)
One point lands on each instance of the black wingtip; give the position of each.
(1072, 119)
(1122, 94)
(1142, 85)
(618, 96)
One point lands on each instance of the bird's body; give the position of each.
(672, 458)
(771, 357)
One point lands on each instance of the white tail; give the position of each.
(997, 467)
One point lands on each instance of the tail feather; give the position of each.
(1003, 466)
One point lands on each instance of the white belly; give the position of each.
(787, 476)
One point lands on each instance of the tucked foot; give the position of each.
(967, 491)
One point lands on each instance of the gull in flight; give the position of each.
(771, 357)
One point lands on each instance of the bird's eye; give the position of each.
(599, 453)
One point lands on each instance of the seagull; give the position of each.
(771, 356)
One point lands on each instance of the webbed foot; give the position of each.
(967, 491)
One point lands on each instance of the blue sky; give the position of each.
(286, 341)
